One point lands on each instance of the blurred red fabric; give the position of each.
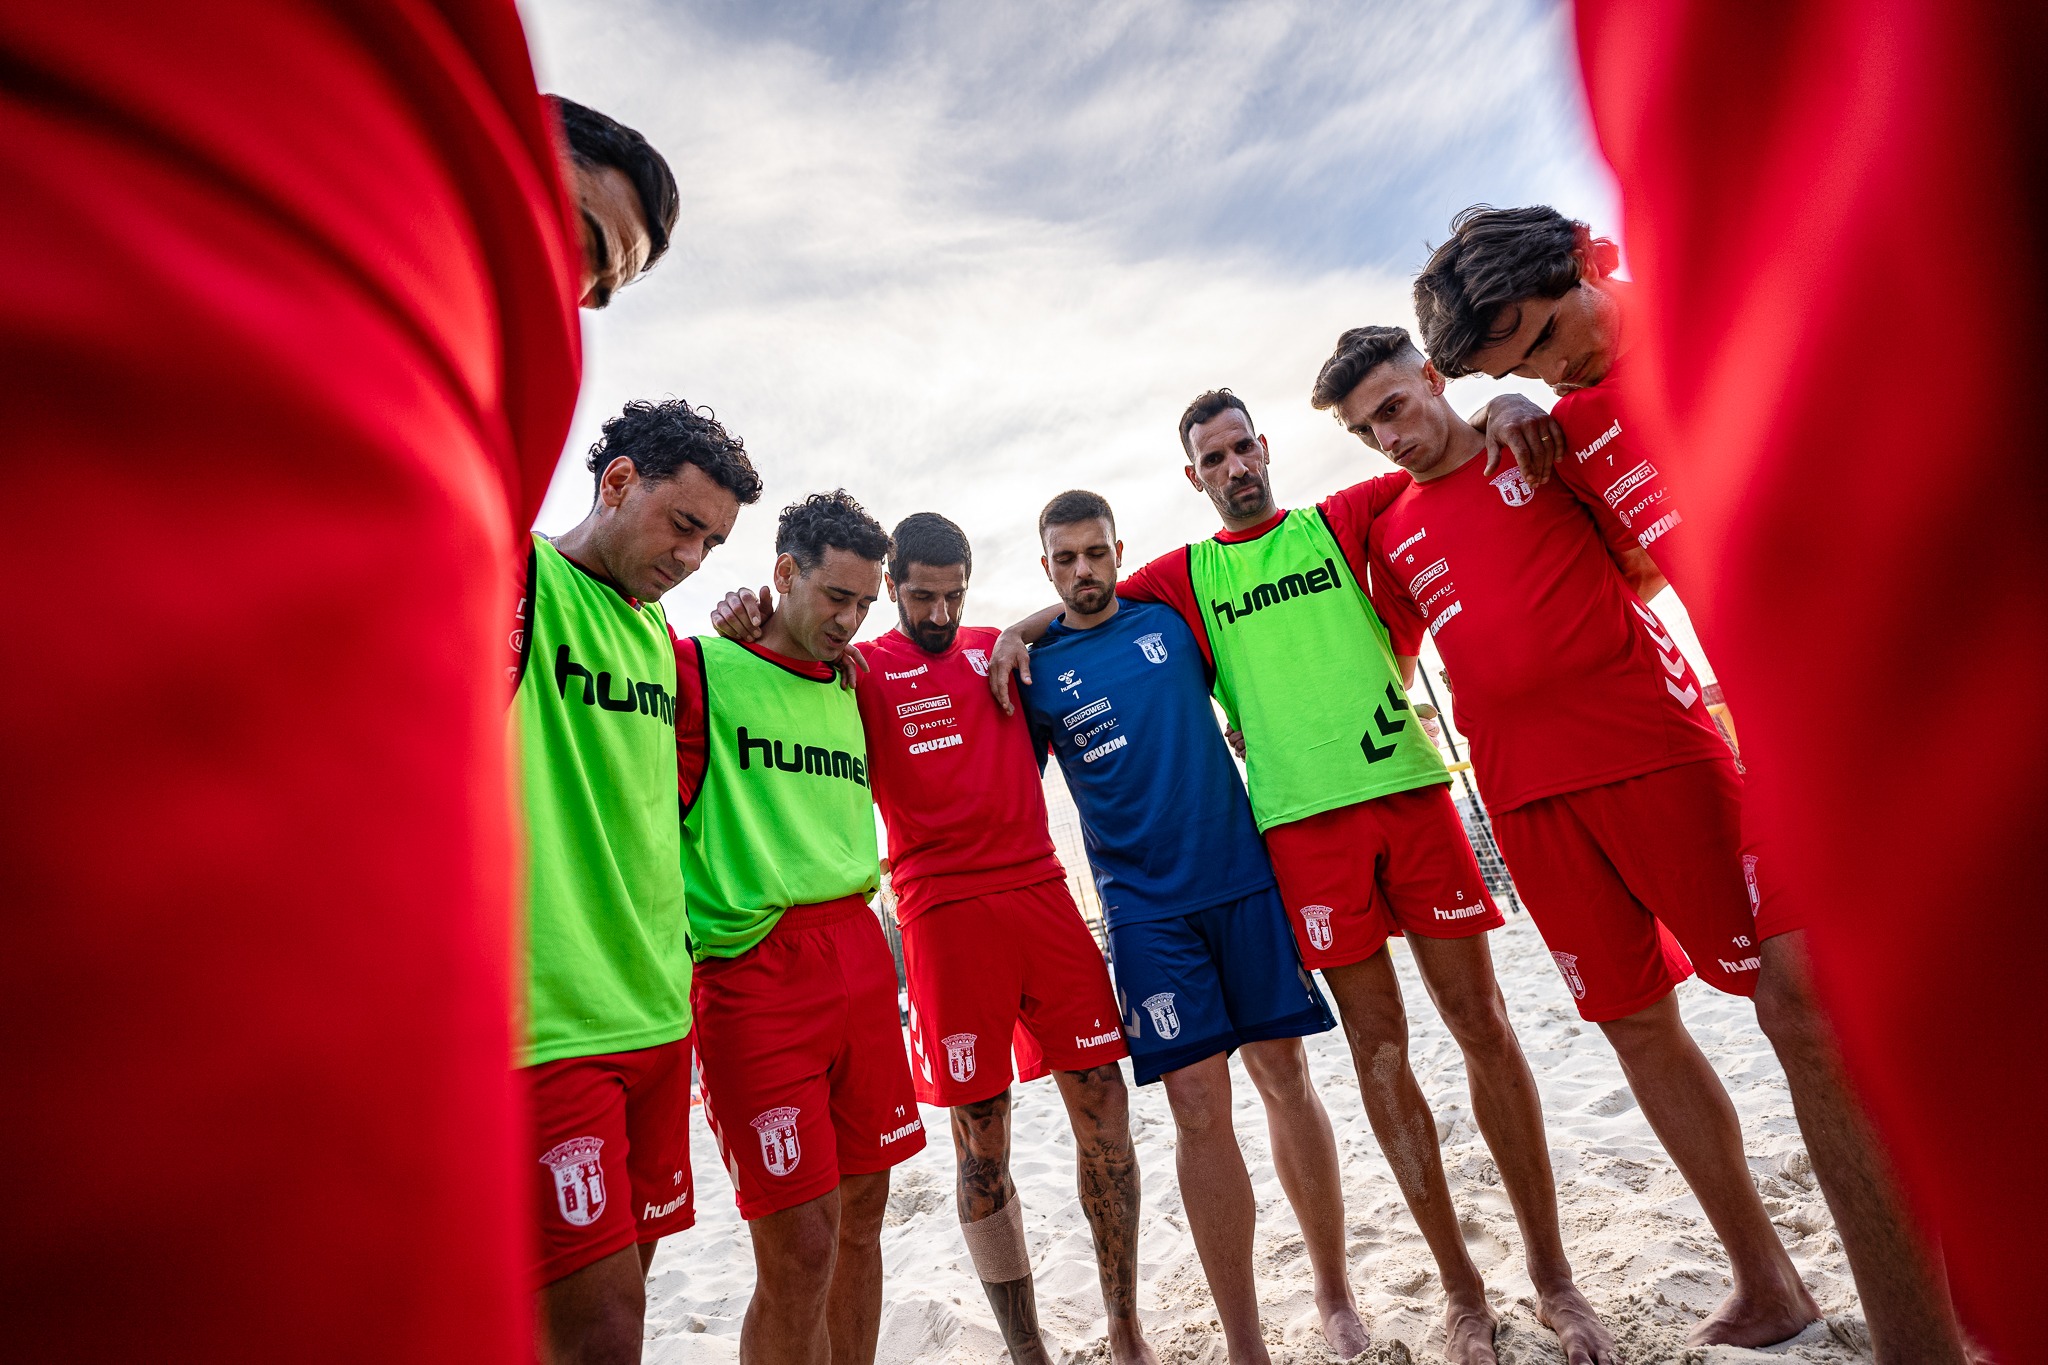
(289, 349)
(1834, 211)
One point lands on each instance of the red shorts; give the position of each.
(610, 1153)
(1628, 880)
(800, 1051)
(1016, 968)
(1768, 899)
(1355, 876)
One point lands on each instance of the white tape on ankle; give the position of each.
(996, 1245)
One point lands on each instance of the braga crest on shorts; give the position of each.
(1165, 1018)
(1316, 919)
(1154, 646)
(777, 1127)
(579, 1179)
(1568, 963)
(959, 1055)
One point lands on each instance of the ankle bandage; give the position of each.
(996, 1245)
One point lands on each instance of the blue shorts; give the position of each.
(1205, 982)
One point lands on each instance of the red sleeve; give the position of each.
(1167, 580)
(1350, 513)
(692, 755)
(1404, 621)
(522, 616)
(1588, 415)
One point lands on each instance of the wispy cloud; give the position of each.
(958, 257)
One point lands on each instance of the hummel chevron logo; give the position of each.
(1388, 728)
(1669, 656)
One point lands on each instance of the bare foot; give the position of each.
(1129, 1347)
(1342, 1328)
(1752, 1319)
(1579, 1330)
(1469, 1326)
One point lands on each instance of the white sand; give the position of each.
(1642, 1250)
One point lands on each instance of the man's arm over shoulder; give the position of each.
(1390, 598)
(1352, 511)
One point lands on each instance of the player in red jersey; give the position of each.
(1531, 292)
(993, 945)
(1615, 801)
(1878, 182)
(1380, 863)
(296, 283)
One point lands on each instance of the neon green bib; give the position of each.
(784, 816)
(608, 963)
(1304, 670)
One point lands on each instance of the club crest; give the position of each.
(779, 1151)
(959, 1055)
(1568, 963)
(977, 660)
(1154, 646)
(1165, 1018)
(1514, 489)
(1316, 919)
(579, 1179)
(1756, 895)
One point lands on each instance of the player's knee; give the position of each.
(1476, 1017)
(1200, 1101)
(1279, 1069)
(1786, 1009)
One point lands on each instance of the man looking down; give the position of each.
(1365, 841)
(606, 1060)
(993, 946)
(1615, 801)
(801, 1055)
(626, 199)
(1531, 292)
(1205, 963)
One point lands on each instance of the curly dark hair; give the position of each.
(599, 140)
(1205, 407)
(831, 521)
(660, 438)
(1359, 352)
(928, 538)
(1466, 297)
(1078, 504)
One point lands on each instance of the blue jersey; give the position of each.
(1125, 706)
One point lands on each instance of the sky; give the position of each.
(958, 258)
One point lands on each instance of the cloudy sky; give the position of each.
(960, 257)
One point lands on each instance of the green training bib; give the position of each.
(608, 961)
(784, 816)
(1304, 670)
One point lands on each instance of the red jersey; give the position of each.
(1757, 228)
(339, 225)
(956, 779)
(1564, 680)
(1612, 473)
(1349, 513)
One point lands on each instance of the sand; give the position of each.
(1642, 1250)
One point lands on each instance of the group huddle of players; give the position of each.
(288, 305)
(703, 849)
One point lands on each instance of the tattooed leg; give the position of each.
(1107, 1174)
(987, 1200)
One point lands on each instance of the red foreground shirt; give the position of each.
(295, 283)
(1562, 679)
(1880, 178)
(956, 779)
(1349, 513)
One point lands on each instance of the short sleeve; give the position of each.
(1166, 581)
(692, 750)
(1397, 609)
(1592, 419)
